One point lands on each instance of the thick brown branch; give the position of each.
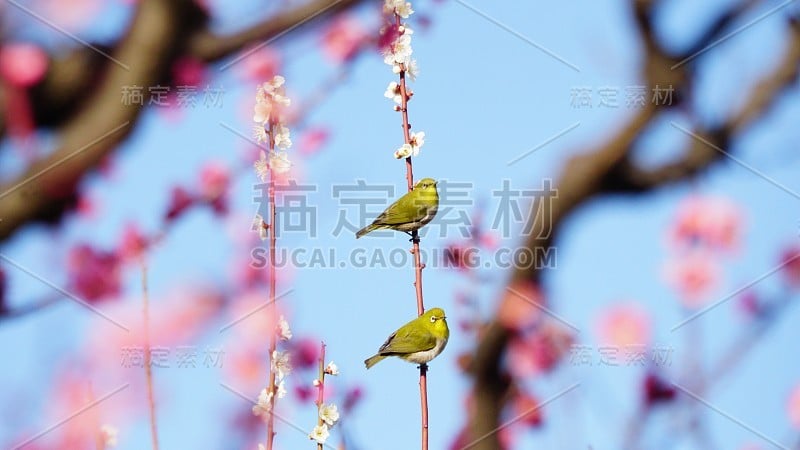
(48, 186)
(708, 146)
(210, 47)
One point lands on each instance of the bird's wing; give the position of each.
(407, 342)
(404, 210)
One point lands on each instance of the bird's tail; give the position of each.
(367, 229)
(374, 360)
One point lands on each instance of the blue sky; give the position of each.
(484, 97)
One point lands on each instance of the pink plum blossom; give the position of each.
(260, 65)
(711, 221)
(133, 243)
(312, 140)
(539, 351)
(22, 64)
(520, 306)
(624, 325)
(791, 266)
(793, 407)
(93, 274)
(342, 39)
(694, 276)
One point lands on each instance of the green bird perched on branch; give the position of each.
(410, 212)
(418, 341)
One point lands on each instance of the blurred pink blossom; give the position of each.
(343, 37)
(694, 276)
(180, 201)
(175, 318)
(528, 409)
(73, 14)
(461, 256)
(132, 243)
(791, 266)
(214, 180)
(259, 65)
(22, 65)
(711, 221)
(86, 206)
(624, 325)
(305, 393)
(540, 351)
(657, 390)
(793, 407)
(749, 303)
(188, 72)
(250, 322)
(305, 352)
(519, 306)
(93, 274)
(488, 240)
(352, 398)
(312, 140)
(249, 276)
(388, 36)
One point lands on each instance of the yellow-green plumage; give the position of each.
(410, 212)
(418, 341)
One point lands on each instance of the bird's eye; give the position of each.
(433, 319)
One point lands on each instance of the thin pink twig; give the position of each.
(321, 388)
(272, 286)
(423, 368)
(148, 367)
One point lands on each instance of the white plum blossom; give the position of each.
(412, 69)
(260, 134)
(262, 166)
(284, 332)
(261, 447)
(281, 389)
(109, 435)
(263, 406)
(403, 9)
(332, 369)
(260, 225)
(261, 112)
(271, 129)
(279, 161)
(320, 434)
(329, 413)
(404, 151)
(316, 382)
(282, 137)
(393, 92)
(270, 88)
(400, 7)
(281, 364)
(282, 100)
(417, 141)
(399, 52)
(412, 148)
